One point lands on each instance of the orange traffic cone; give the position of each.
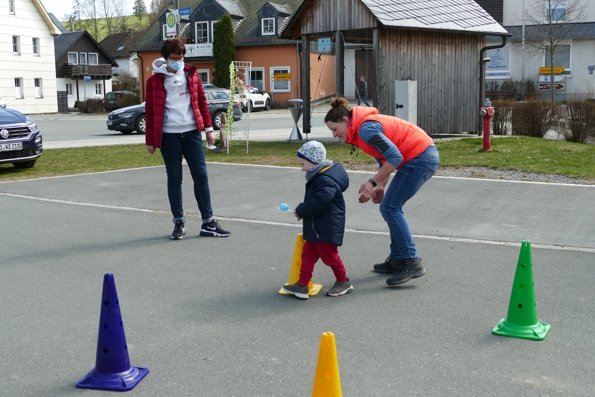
(112, 366)
(521, 321)
(327, 382)
(296, 264)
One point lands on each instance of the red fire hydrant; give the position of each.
(487, 111)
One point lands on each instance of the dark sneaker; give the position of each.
(179, 231)
(296, 290)
(412, 269)
(212, 229)
(390, 265)
(340, 288)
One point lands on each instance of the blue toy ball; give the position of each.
(283, 207)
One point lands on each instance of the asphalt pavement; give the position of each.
(204, 314)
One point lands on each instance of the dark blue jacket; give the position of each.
(323, 209)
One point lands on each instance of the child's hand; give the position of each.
(297, 216)
(377, 195)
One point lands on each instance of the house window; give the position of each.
(73, 58)
(83, 58)
(69, 89)
(35, 46)
(98, 89)
(555, 11)
(268, 26)
(257, 77)
(38, 88)
(202, 32)
(16, 45)
(561, 57)
(204, 76)
(18, 87)
(120, 48)
(92, 58)
(213, 30)
(280, 85)
(11, 7)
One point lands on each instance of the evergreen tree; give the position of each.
(224, 51)
(139, 10)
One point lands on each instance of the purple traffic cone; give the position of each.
(112, 366)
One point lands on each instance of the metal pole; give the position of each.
(177, 19)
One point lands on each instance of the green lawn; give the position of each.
(511, 153)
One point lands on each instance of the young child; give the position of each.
(323, 214)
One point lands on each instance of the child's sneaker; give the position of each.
(296, 290)
(212, 229)
(340, 288)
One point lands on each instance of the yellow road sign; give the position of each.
(557, 70)
(282, 76)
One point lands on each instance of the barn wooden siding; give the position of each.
(446, 68)
(333, 15)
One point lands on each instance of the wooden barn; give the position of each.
(439, 44)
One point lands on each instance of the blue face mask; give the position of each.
(177, 65)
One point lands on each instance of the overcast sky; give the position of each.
(64, 7)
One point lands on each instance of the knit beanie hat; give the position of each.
(313, 151)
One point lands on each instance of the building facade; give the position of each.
(28, 77)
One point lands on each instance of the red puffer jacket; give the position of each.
(155, 105)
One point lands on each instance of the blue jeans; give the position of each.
(406, 182)
(362, 98)
(188, 144)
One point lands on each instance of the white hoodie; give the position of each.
(178, 115)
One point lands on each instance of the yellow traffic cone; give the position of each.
(327, 382)
(521, 321)
(296, 264)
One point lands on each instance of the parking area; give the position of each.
(204, 314)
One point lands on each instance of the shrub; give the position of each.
(519, 89)
(127, 100)
(582, 121)
(125, 82)
(502, 116)
(534, 117)
(91, 105)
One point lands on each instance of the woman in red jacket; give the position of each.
(177, 112)
(395, 144)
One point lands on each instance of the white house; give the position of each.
(28, 73)
(575, 54)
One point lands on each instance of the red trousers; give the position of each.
(329, 254)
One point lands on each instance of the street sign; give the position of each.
(546, 78)
(282, 76)
(171, 24)
(185, 11)
(87, 78)
(547, 70)
(548, 86)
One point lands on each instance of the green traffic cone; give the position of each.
(521, 321)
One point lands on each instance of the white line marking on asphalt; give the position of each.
(440, 238)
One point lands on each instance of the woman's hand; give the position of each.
(297, 216)
(377, 195)
(211, 138)
(151, 149)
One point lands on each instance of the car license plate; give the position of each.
(110, 123)
(6, 147)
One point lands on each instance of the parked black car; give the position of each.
(20, 139)
(132, 118)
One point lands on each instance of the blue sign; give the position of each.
(185, 11)
(87, 78)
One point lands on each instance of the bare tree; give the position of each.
(156, 8)
(550, 24)
(114, 14)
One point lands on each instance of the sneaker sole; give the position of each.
(178, 238)
(416, 275)
(384, 270)
(348, 290)
(296, 294)
(213, 234)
